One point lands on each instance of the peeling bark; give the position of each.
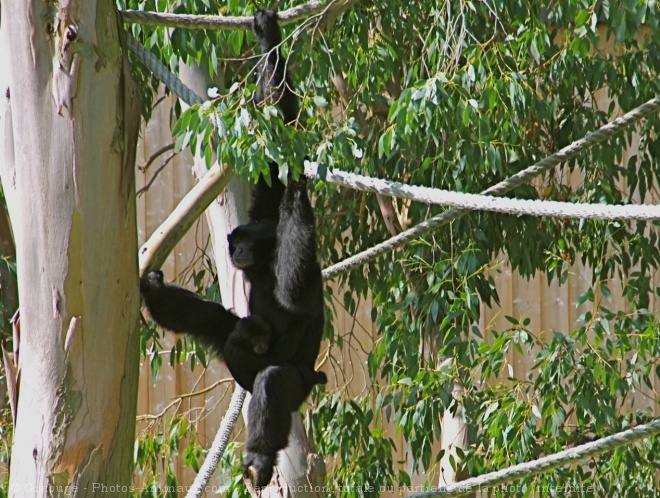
(69, 186)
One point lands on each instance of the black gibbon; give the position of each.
(271, 352)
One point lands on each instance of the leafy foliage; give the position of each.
(460, 95)
(362, 453)
(154, 454)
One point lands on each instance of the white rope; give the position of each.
(435, 222)
(219, 444)
(478, 202)
(535, 467)
(464, 201)
(226, 23)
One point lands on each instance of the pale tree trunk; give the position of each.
(454, 436)
(295, 477)
(67, 170)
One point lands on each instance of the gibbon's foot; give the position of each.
(259, 466)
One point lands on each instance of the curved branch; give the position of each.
(155, 175)
(154, 252)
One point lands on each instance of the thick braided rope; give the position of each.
(477, 202)
(162, 73)
(464, 201)
(512, 182)
(219, 444)
(224, 23)
(600, 135)
(186, 21)
(535, 467)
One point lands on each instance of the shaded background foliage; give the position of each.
(460, 95)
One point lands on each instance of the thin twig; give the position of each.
(209, 388)
(155, 156)
(155, 175)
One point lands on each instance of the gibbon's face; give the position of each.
(252, 244)
(242, 253)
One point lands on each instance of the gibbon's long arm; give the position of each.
(180, 310)
(299, 286)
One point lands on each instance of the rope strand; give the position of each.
(554, 461)
(229, 23)
(502, 187)
(161, 72)
(219, 444)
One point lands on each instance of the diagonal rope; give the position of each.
(219, 444)
(550, 462)
(161, 72)
(502, 187)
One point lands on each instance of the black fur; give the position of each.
(292, 303)
(180, 310)
(267, 197)
(286, 306)
(286, 297)
(289, 298)
(269, 415)
(272, 352)
(273, 78)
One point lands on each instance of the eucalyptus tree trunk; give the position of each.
(455, 432)
(298, 472)
(69, 119)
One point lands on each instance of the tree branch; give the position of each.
(386, 204)
(155, 156)
(155, 175)
(153, 253)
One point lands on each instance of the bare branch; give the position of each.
(155, 156)
(155, 175)
(208, 388)
(154, 252)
